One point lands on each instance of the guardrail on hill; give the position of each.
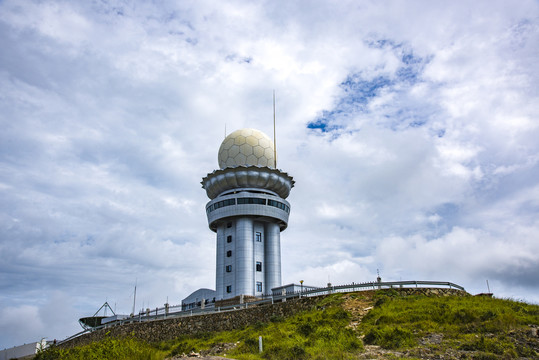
(175, 311)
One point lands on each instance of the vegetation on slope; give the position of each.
(109, 348)
(413, 326)
(489, 327)
(321, 333)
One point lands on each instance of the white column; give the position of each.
(273, 256)
(244, 257)
(220, 274)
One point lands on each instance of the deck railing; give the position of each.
(176, 311)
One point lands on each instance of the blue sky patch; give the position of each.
(357, 94)
(357, 91)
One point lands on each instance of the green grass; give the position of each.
(109, 348)
(467, 323)
(482, 325)
(317, 334)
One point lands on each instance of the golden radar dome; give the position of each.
(247, 147)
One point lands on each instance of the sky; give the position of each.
(410, 127)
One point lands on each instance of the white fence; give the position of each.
(176, 310)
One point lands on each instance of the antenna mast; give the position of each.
(134, 298)
(274, 139)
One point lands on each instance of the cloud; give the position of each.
(410, 130)
(27, 323)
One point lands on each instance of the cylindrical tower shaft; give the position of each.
(220, 261)
(244, 257)
(272, 250)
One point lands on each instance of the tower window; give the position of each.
(220, 204)
(279, 205)
(255, 201)
(258, 266)
(229, 225)
(229, 239)
(229, 268)
(229, 253)
(259, 286)
(258, 236)
(229, 288)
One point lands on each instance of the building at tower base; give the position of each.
(247, 211)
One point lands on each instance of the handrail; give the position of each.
(161, 313)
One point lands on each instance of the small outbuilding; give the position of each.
(200, 298)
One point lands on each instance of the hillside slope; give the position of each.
(383, 324)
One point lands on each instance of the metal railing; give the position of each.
(176, 311)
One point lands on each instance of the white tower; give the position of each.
(248, 211)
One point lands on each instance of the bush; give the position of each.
(249, 345)
(465, 316)
(390, 337)
(285, 352)
(259, 325)
(326, 333)
(276, 318)
(491, 345)
(305, 329)
(338, 313)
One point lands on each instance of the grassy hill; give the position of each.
(363, 325)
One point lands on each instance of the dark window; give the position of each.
(221, 204)
(256, 201)
(258, 266)
(279, 205)
(229, 239)
(258, 237)
(229, 289)
(229, 253)
(229, 268)
(229, 225)
(259, 286)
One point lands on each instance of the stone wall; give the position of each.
(168, 329)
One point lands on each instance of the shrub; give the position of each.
(285, 352)
(260, 325)
(305, 329)
(491, 345)
(390, 337)
(250, 345)
(276, 318)
(464, 316)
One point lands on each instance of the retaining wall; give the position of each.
(168, 329)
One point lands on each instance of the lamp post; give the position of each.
(301, 291)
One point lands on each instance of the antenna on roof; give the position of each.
(134, 297)
(274, 139)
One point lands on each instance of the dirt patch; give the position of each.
(357, 305)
